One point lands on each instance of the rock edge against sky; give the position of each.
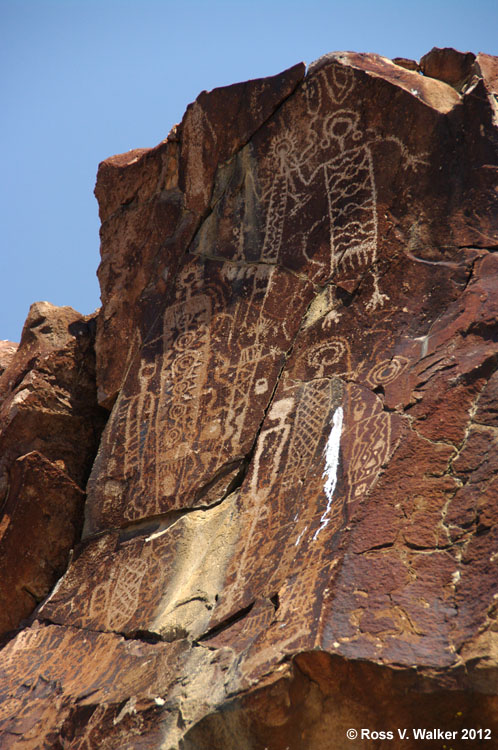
(251, 502)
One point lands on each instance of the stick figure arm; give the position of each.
(409, 160)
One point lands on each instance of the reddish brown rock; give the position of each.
(42, 517)
(220, 122)
(207, 372)
(292, 515)
(140, 203)
(7, 351)
(448, 65)
(487, 68)
(86, 697)
(49, 392)
(151, 204)
(406, 62)
(50, 425)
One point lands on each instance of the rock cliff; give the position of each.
(290, 524)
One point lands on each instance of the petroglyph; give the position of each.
(338, 162)
(83, 664)
(321, 149)
(278, 517)
(302, 485)
(285, 489)
(124, 596)
(335, 80)
(305, 484)
(164, 582)
(369, 441)
(106, 587)
(386, 371)
(276, 434)
(331, 357)
(192, 404)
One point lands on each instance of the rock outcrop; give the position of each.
(50, 427)
(7, 351)
(291, 523)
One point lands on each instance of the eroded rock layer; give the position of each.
(291, 523)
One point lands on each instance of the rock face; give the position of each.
(50, 426)
(291, 525)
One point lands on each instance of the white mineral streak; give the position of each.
(300, 535)
(331, 465)
(156, 534)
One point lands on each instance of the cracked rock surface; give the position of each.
(290, 526)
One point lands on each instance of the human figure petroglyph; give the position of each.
(251, 361)
(284, 194)
(272, 442)
(285, 488)
(186, 344)
(360, 451)
(225, 333)
(277, 433)
(141, 411)
(296, 512)
(331, 156)
(338, 163)
(165, 406)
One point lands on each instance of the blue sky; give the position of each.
(84, 79)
